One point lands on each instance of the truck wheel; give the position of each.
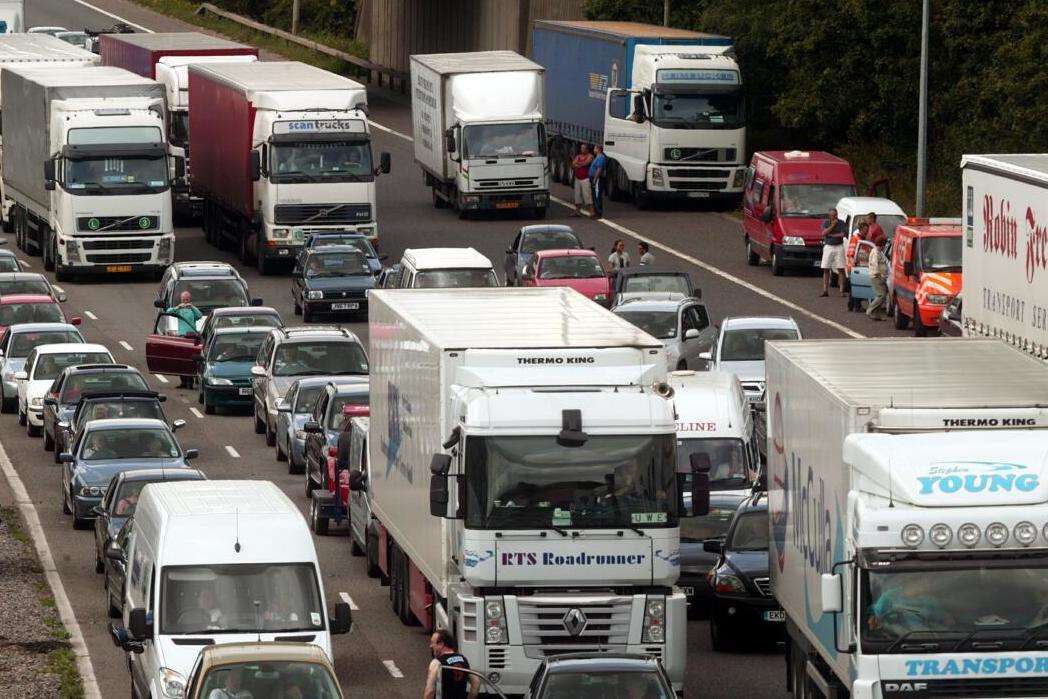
(776, 262)
(61, 272)
(438, 201)
(307, 315)
(354, 547)
(48, 249)
(263, 265)
(641, 197)
(319, 523)
(752, 258)
(901, 321)
(540, 212)
(371, 546)
(618, 184)
(919, 328)
(8, 223)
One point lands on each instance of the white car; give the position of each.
(740, 348)
(42, 366)
(45, 30)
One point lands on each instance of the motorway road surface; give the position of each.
(709, 244)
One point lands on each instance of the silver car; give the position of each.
(16, 344)
(292, 414)
(740, 348)
(682, 324)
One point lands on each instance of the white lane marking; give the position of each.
(47, 562)
(118, 18)
(58, 288)
(380, 127)
(349, 600)
(126, 346)
(393, 669)
(160, 378)
(90, 315)
(196, 413)
(720, 273)
(232, 452)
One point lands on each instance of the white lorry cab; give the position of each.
(215, 562)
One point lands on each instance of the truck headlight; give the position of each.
(939, 299)
(740, 176)
(654, 630)
(996, 534)
(315, 295)
(1025, 533)
(912, 535)
(940, 535)
(172, 683)
(281, 232)
(969, 534)
(495, 622)
(165, 251)
(657, 177)
(72, 249)
(792, 240)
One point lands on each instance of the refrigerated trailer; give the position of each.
(281, 150)
(547, 520)
(908, 516)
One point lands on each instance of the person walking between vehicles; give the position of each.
(646, 258)
(187, 315)
(832, 252)
(619, 258)
(878, 267)
(597, 171)
(583, 192)
(446, 667)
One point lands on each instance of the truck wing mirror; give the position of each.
(139, 625)
(831, 599)
(356, 481)
(256, 166)
(49, 174)
(385, 163)
(713, 545)
(700, 494)
(439, 492)
(180, 168)
(342, 622)
(449, 136)
(700, 462)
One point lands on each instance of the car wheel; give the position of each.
(31, 429)
(111, 608)
(293, 467)
(752, 258)
(271, 436)
(319, 522)
(7, 405)
(371, 546)
(49, 443)
(438, 201)
(720, 639)
(307, 315)
(919, 328)
(21, 417)
(100, 567)
(209, 409)
(354, 547)
(281, 456)
(260, 427)
(298, 308)
(901, 321)
(310, 485)
(776, 262)
(65, 502)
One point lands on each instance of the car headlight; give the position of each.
(314, 295)
(654, 629)
(91, 491)
(219, 382)
(172, 683)
(938, 298)
(792, 240)
(728, 584)
(39, 400)
(281, 232)
(495, 621)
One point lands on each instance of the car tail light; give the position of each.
(351, 410)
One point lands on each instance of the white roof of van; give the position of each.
(878, 205)
(706, 397)
(445, 258)
(192, 498)
(41, 48)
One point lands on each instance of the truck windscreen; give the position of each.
(503, 141)
(178, 129)
(115, 175)
(728, 463)
(533, 482)
(326, 161)
(694, 110)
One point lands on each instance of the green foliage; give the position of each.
(314, 15)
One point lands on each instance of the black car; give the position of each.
(359, 241)
(600, 675)
(950, 322)
(743, 609)
(211, 285)
(695, 560)
(103, 405)
(323, 426)
(331, 279)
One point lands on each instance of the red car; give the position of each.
(32, 308)
(578, 269)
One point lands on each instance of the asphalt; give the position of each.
(707, 243)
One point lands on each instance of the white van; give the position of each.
(441, 268)
(363, 533)
(214, 562)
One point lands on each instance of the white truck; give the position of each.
(477, 121)
(85, 162)
(908, 498)
(1005, 254)
(35, 51)
(548, 519)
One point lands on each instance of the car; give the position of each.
(9, 259)
(16, 342)
(32, 308)
(28, 283)
(225, 367)
(331, 279)
(695, 561)
(112, 513)
(353, 458)
(42, 367)
(290, 353)
(74, 382)
(577, 269)
(103, 405)
(860, 288)
(743, 609)
(239, 317)
(292, 413)
(104, 448)
(682, 324)
(441, 268)
(80, 39)
(115, 567)
(635, 282)
(358, 241)
(335, 402)
(531, 239)
(265, 669)
(600, 675)
(951, 322)
(853, 210)
(46, 30)
(740, 348)
(211, 284)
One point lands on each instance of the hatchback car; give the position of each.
(357, 241)
(600, 675)
(641, 282)
(331, 279)
(115, 568)
(28, 283)
(32, 308)
(76, 381)
(107, 405)
(42, 367)
(16, 342)
(695, 560)
(225, 367)
(740, 348)
(530, 240)
(239, 317)
(104, 448)
(682, 324)
(8, 259)
(210, 284)
(291, 353)
(576, 269)
(266, 670)
(292, 413)
(324, 424)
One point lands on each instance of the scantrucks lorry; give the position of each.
(1005, 253)
(85, 162)
(548, 519)
(477, 120)
(908, 508)
(281, 150)
(665, 103)
(166, 57)
(35, 51)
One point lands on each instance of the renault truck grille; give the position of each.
(763, 585)
(496, 657)
(574, 624)
(321, 214)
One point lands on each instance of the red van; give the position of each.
(785, 201)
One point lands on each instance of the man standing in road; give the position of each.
(832, 252)
(646, 258)
(187, 315)
(583, 193)
(878, 268)
(597, 170)
(875, 234)
(445, 669)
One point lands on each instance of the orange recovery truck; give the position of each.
(925, 272)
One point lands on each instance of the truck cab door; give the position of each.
(170, 353)
(626, 132)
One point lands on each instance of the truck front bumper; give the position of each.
(499, 201)
(706, 181)
(100, 254)
(295, 236)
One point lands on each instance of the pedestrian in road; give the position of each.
(187, 315)
(597, 170)
(832, 252)
(445, 669)
(619, 258)
(583, 191)
(646, 258)
(875, 234)
(878, 266)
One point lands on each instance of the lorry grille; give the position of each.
(91, 224)
(320, 214)
(763, 585)
(496, 658)
(118, 244)
(542, 623)
(701, 155)
(524, 182)
(124, 259)
(975, 687)
(698, 172)
(700, 186)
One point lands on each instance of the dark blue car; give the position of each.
(331, 279)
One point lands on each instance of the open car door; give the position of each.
(167, 352)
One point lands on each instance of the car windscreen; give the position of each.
(9, 263)
(337, 264)
(101, 382)
(940, 253)
(659, 324)
(247, 320)
(712, 525)
(572, 685)
(750, 533)
(573, 267)
(455, 279)
(240, 598)
(320, 358)
(283, 679)
(49, 366)
(106, 409)
(15, 313)
(36, 287)
(549, 240)
(235, 347)
(748, 345)
(339, 402)
(213, 292)
(658, 283)
(139, 443)
(23, 343)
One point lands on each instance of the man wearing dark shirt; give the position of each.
(453, 683)
(832, 252)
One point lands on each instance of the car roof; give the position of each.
(271, 651)
(595, 662)
(802, 156)
(656, 301)
(444, 258)
(61, 347)
(565, 252)
(204, 269)
(864, 205)
(26, 298)
(128, 423)
(102, 367)
(648, 271)
(156, 475)
(245, 311)
(18, 276)
(309, 381)
(931, 230)
(348, 385)
(303, 333)
(5, 252)
(756, 322)
(38, 327)
(758, 502)
(121, 395)
(246, 329)
(547, 228)
(328, 249)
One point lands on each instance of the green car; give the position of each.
(225, 367)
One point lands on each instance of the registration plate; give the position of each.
(689, 591)
(345, 306)
(507, 205)
(699, 195)
(775, 615)
(245, 391)
(118, 268)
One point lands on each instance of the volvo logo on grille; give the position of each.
(574, 622)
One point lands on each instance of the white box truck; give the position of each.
(34, 51)
(523, 477)
(85, 160)
(1005, 252)
(477, 120)
(908, 502)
